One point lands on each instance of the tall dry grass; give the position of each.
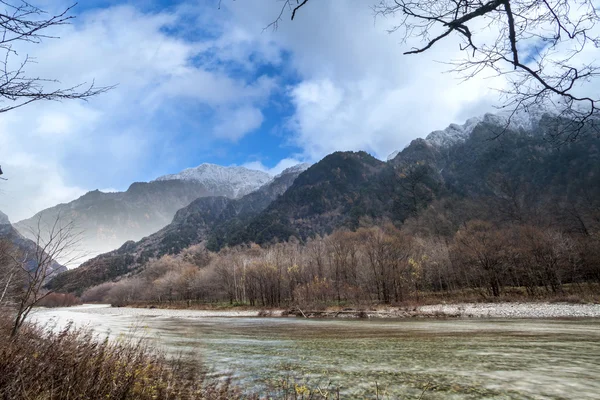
(73, 364)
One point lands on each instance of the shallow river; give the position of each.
(451, 359)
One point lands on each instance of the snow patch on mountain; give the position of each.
(454, 133)
(393, 155)
(522, 120)
(238, 180)
(298, 168)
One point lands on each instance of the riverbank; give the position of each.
(460, 310)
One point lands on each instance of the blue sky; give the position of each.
(200, 84)
(186, 126)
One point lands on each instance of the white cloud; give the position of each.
(58, 124)
(356, 90)
(33, 185)
(113, 139)
(348, 83)
(277, 169)
(234, 124)
(284, 164)
(109, 190)
(54, 124)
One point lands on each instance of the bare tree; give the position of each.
(58, 240)
(482, 247)
(545, 48)
(9, 271)
(21, 22)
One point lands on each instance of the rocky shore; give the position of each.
(461, 310)
(514, 310)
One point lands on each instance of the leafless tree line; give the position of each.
(377, 264)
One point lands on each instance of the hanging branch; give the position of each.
(537, 45)
(23, 22)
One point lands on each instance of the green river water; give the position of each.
(398, 359)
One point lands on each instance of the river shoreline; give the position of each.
(460, 310)
(459, 358)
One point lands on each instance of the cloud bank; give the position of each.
(196, 83)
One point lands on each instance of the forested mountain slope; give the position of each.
(482, 170)
(514, 174)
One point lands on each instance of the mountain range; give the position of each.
(491, 167)
(191, 224)
(107, 220)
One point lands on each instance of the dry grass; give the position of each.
(73, 364)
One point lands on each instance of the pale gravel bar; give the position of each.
(515, 310)
(461, 310)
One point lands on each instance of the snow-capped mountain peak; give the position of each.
(454, 133)
(298, 168)
(239, 180)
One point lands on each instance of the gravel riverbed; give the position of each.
(462, 310)
(515, 310)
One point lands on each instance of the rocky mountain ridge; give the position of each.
(496, 123)
(4, 219)
(233, 182)
(519, 121)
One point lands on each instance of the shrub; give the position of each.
(59, 300)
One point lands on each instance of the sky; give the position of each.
(199, 83)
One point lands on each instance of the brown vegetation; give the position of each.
(381, 264)
(73, 364)
(59, 300)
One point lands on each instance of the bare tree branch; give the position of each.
(541, 47)
(23, 22)
(293, 6)
(57, 239)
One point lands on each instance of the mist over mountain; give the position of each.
(4, 219)
(26, 247)
(192, 224)
(107, 220)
